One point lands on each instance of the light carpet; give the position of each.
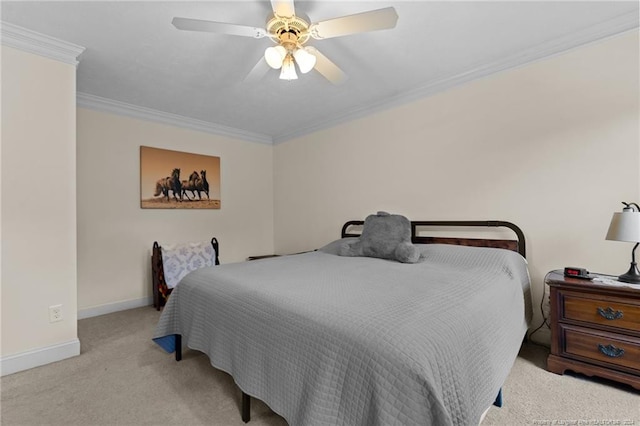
(122, 378)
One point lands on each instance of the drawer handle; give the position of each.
(609, 313)
(611, 350)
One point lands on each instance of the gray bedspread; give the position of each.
(330, 340)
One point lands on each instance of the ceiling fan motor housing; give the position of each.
(289, 40)
(288, 30)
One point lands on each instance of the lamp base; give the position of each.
(632, 276)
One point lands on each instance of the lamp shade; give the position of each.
(288, 69)
(625, 226)
(275, 56)
(305, 60)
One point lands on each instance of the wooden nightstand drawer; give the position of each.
(611, 348)
(604, 311)
(595, 329)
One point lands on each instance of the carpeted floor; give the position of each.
(123, 378)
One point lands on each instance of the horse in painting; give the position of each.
(175, 185)
(162, 187)
(191, 185)
(170, 183)
(203, 185)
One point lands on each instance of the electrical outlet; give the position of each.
(55, 313)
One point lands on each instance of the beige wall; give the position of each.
(115, 235)
(553, 147)
(38, 202)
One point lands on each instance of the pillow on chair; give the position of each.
(385, 236)
(180, 259)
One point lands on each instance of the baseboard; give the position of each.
(114, 307)
(42, 356)
(37, 357)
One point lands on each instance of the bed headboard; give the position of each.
(515, 245)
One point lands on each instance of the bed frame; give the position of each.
(159, 286)
(517, 245)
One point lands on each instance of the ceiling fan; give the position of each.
(291, 32)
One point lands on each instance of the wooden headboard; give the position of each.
(515, 245)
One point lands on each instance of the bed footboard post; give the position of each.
(155, 274)
(246, 407)
(178, 347)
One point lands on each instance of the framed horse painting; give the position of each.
(178, 180)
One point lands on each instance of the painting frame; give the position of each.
(172, 179)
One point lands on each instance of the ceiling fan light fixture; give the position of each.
(275, 56)
(288, 69)
(305, 60)
(290, 33)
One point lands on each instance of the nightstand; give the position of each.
(595, 329)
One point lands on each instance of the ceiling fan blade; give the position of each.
(380, 19)
(284, 8)
(327, 68)
(188, 24)
(258, 71)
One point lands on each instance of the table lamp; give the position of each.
(625, 226)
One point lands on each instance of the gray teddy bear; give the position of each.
(385, 236)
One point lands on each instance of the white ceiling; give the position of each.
(135, 56)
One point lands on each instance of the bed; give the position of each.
(325, 339)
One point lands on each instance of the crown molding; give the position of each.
(98, 103)
(594, 34)
(40, 44)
